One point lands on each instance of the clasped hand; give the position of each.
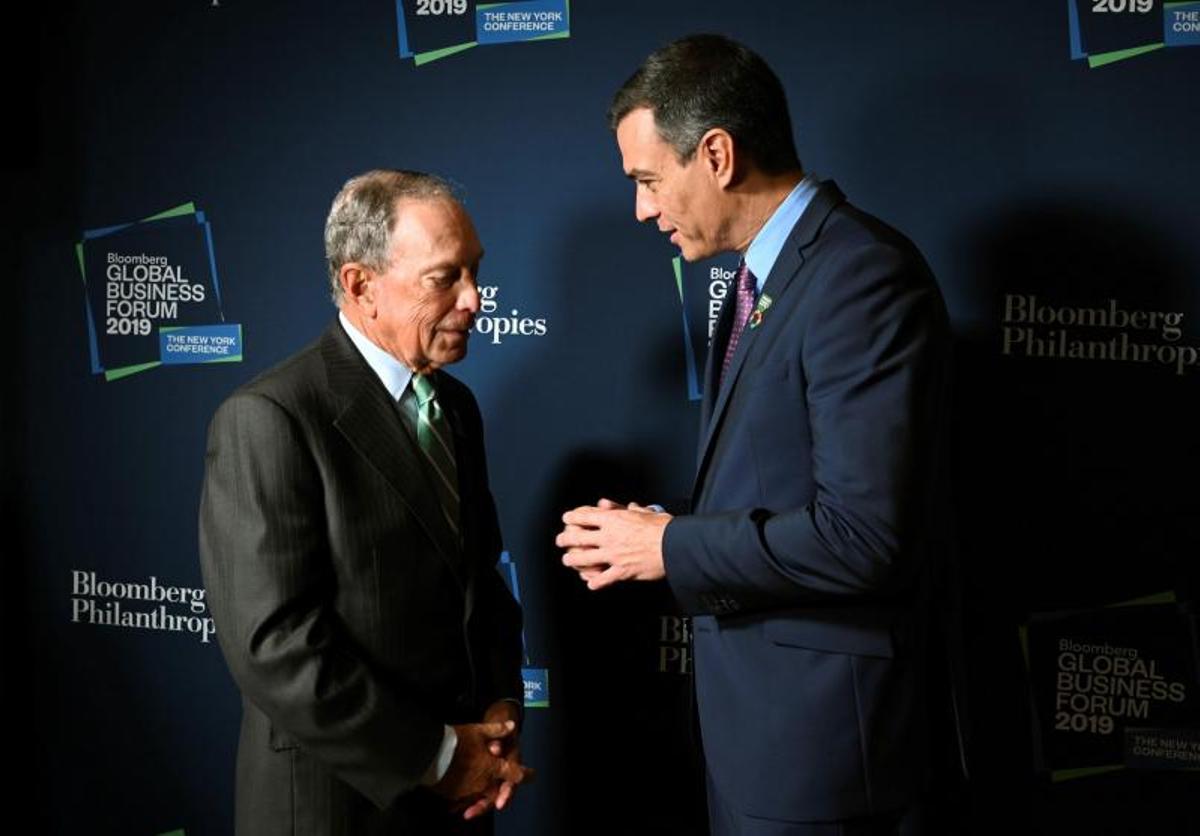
(610, 542)
(486, 767)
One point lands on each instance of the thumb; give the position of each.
(608, 504)
(495, 731)
(515, 773)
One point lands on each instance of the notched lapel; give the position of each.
(466, 465)
(712, 366)
(787, 267)
(369, 421)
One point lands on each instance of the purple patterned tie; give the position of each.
(747, 286)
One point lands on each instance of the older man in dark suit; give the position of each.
(348, 540)
(817, 507)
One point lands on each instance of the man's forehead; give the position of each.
(638, 122)
(431, 219)
(433, 238)
(642, 148)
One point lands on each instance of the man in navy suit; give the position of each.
(818, 505)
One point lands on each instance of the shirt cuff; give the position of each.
(441, 761)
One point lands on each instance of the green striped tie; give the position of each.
(435, 441)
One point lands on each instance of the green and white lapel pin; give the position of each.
(756, 316)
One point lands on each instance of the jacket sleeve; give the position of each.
(497, 619)
(873, 358)
(265, 555)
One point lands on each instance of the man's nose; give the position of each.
(644, 207)
(468, 298)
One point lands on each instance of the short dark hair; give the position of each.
(702, 82)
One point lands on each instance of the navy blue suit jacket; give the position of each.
(817, 511)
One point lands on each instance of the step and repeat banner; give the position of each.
(1042, 155)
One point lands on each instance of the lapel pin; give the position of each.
(756, 317)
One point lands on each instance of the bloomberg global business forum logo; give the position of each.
(433, 29)
(152, 297)
(1103, 32)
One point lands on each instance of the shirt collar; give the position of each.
(765, 248)
(394, 375)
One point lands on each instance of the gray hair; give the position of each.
(361, 219)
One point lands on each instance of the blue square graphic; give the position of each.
(537, 687)
(200, 344)
(1181, 24)
(520, 21)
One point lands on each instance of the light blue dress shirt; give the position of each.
(764, 249)
(395, 375)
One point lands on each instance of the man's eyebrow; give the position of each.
(639, 173)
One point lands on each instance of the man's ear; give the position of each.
(717, 155)
(358, 287)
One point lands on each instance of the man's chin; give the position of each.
(692, 252)
(450, 348)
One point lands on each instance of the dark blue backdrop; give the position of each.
(966, 125)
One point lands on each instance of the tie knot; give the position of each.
(423, 387)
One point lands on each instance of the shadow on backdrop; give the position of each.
(1068, 491)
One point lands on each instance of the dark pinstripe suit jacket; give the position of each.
(353, 621)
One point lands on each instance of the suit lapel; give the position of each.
(464, 460)
(712, 366)
(370, 422)
(465, 465)
(787, 266)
